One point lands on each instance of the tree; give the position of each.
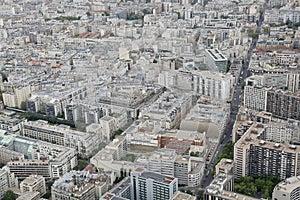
(189, 192)
(200, 194)
(243, 85)
(228, 66)
(81, 165)
(258, 186)
(9, 195)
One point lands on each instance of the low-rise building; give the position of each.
(7, 180)
(78, 185)
(33, 183)
(289, 189)
(84, 143)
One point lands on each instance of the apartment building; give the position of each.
(109, 158)
(212, 84)
(225, 166)
(16, 96)
(53, 103)
(84, 143)
(255, 97)
(16, 148)
(215, 60)
(120, 191)
(10, 123)
(24, 168)
(150, 185)
(221, 188)
(288, 189)
(188, 170)
(293, 82)
(119, 146)
(162, 161)
(283, 104)
(283, 132)
(78, 185)
(252, 155)
(78, 190)
(33, 183)
(7, 180)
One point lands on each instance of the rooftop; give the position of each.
(288, 184)
(216, 54)
(155, 176)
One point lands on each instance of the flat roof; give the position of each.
(216, 54)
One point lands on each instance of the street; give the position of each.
(235, 104)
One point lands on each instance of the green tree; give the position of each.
(1, 96)
(23, 105)
(81, 165)
(9, 195)
(189, 192)
(228, 66)
(243, 85)
(200, 194)
(258, 186)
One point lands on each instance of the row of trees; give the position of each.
(227, 152)
(50, 119)
(256, 186)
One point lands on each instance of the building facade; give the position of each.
(149, 185)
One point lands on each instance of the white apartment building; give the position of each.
(293, 82)
(83, 143)
(25, 168)
(108, 159)
(162, 161)
(7, 180)
(166, 162)
(149, 185)
(282, 132)
(33, 183)
(213, 84)
(255, 156)
(16, 96)
(119, 145)
(288, 189)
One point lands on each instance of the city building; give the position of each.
(78, 185)
(188, 170)
(109, 158)
(215, 60)
(255, 97)
(225, 166)
(283, 132)
(288, 189)
(121, 190)
(213, 84)
(24, 168)
(283, 104)
(33, 183)
(150, 185)
(253, 155)
(7, 180)
(293, 82)
(84, 143)
(18, 148)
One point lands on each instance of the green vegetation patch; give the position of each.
(256, 186)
